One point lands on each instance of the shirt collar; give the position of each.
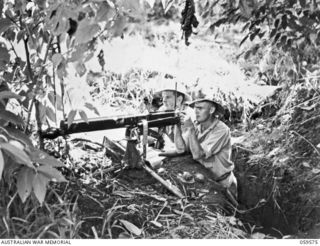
(211, 127)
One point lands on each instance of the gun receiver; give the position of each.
(106, 123)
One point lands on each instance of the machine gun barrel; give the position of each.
(106, 123)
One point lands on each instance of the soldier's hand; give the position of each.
(185, 120)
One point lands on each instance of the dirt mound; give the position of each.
(278, 167)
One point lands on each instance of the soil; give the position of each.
(104, 199)
(255, 197)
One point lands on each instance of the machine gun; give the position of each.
(137, 126)
(130, 122)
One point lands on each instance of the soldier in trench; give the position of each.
(173, 99)
(200, 133)
(208, 140)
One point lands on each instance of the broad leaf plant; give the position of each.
(53, 36)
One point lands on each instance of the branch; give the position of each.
(54, 92)
(314, 147)
(39, 124)
(61, 81)
(30, 72)
(37, 85)
(175, 190)
(30, 76)
(8, 17)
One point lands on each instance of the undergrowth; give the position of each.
(282, 152)
(97, 204)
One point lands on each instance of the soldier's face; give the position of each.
(168, 99)
(203, 111)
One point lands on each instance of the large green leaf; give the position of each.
(71, 116)
(62, 26)
(91, 107)
(132, 7)
(83, 116)
(5, 24)
(131, 227)
(11, 167)
(55, 99)
(86, 31)
(24, 182)
(9, 94)
(51, 173)
(18, 135)
(10, 117)
(118, 26)
(105, 12)
(80, 68)
(1, 164)
(19, 155)
(42, 157)
(59, 18)
(61, 70)
(78, 53)
(32, 43)
(51, 114)
(20, 35)
(39, 185)
(42, 112)
(57, 59)
(20, 5)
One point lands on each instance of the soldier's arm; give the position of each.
(195, 147)
(215, 141)
(179, 142)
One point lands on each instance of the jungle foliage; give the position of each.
(55, 36)
(284, 35)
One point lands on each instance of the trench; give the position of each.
(260, 209)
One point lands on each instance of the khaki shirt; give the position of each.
(216, 144)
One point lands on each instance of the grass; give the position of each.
(55, 219)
